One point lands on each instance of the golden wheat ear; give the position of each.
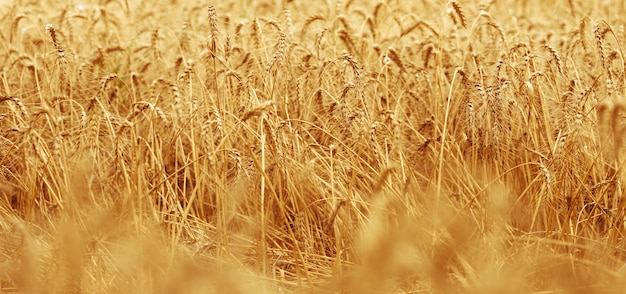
(458, 11)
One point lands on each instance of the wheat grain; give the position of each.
(64, 83)
(154, 39)
(395, 57)
(105, 81)
(458, 10)
(15, 25)
(288, 22)
(319, 42)
(185, 39)
(426, 54)
(279, 53)
(214, 37)
(491, 22)
(256, 33)
(556, 57)
(582, 31)
(274, 23)
(372, 27)
(228, 49)
(347, 41)
(257, 110)
(600, 47)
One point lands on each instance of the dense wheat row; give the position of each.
(326, 147)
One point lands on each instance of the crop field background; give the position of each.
(312, 146)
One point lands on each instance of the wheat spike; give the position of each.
(458, 10)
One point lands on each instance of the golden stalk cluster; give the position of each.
(274, 147)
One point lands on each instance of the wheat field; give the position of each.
(291, 146)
